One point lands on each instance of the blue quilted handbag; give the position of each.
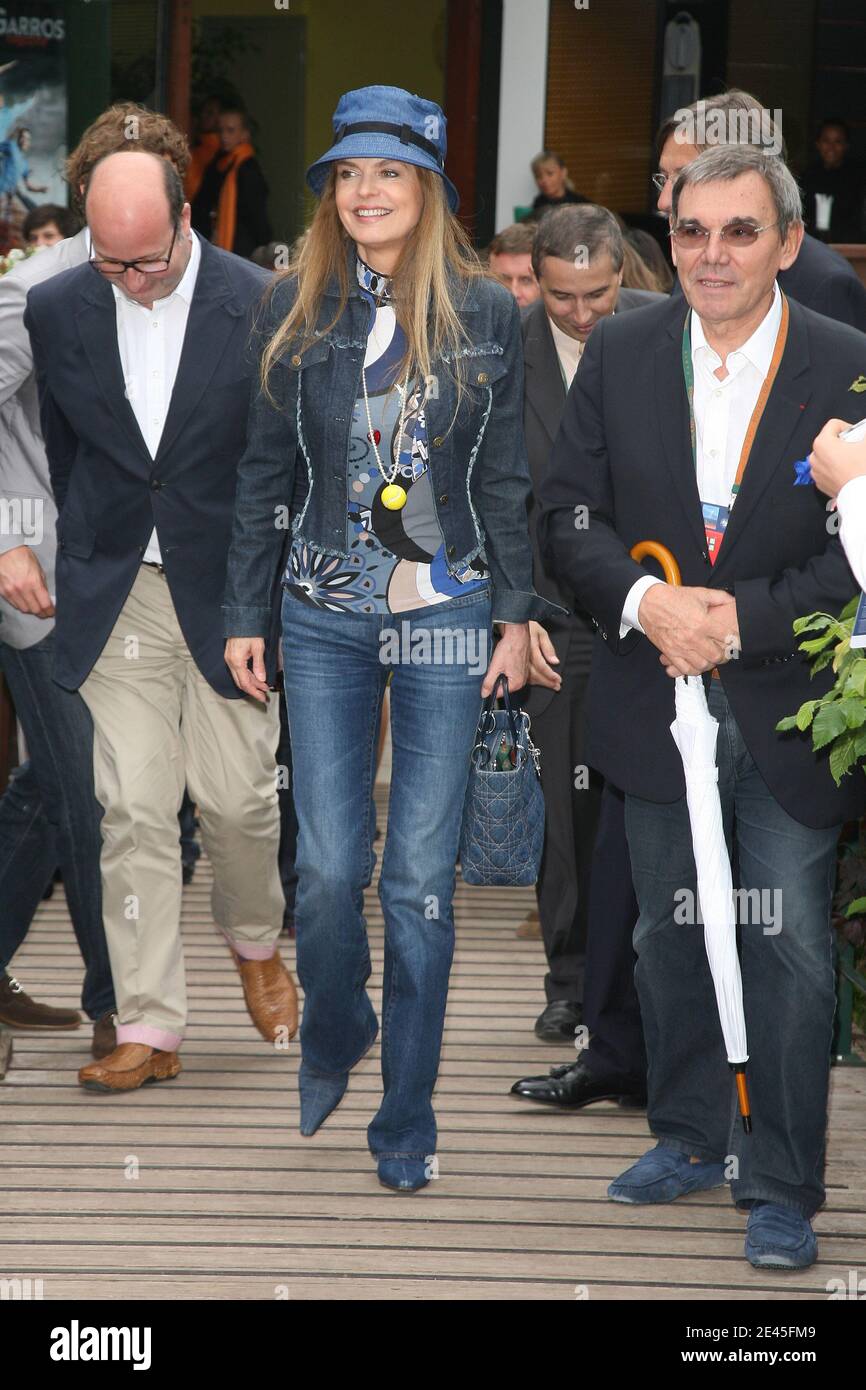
(502, 836)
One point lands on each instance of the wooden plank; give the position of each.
(230, 1201)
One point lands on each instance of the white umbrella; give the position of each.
(695, 732)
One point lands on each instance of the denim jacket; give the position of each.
(295, 462)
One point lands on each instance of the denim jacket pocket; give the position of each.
(300, 361)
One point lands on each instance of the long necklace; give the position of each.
(393, 495)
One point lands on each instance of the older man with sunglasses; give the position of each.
(144, 372)
(726, 390)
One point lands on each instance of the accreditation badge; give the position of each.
(715, 524)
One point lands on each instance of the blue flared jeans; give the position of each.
(336, 667)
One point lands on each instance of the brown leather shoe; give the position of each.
(271, 997)
(18, 1010)
(104, 1037)
(129, 1066)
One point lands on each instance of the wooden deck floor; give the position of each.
(203, 1188)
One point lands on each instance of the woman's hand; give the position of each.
(239, 651)
(833, 461)
(541, 653)
(510, 658)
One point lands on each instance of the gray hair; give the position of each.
(577, 229)
(724, 163)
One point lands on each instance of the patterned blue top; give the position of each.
(397, 558)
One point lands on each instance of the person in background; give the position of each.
(574, 300)
(205, 146)
(509, 260)
(15, 180)
(49, 815)
(407, 490)
(47, 224)
(834, 188)
(554, 185)
(653, 258)
(230, 208)
(820, 278)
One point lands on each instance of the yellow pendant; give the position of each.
(393, 497)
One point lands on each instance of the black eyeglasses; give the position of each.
(144, 267)
(692, 235)
(661, 179)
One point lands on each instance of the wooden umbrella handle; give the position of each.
(670, 568)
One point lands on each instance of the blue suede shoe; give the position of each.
(662, 1175)
(321, 1092)
(779, 1237)
(403, 1172)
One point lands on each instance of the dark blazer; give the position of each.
(109, 490)
(623, 450)
(543, 403)
(822, 280)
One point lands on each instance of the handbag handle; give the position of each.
(506, 700)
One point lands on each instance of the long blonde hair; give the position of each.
(436, 262)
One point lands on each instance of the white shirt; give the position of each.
(568, 350)
(150, 343)
(723, 410)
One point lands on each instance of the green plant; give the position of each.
(838, 718)
(838, 724)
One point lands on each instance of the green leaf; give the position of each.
(785, 724)
(840, 653)
(821, 661)
(804, 714)
(850, 608)
(842, 757)
(855, 683)
(856, 907)
(817, 644)
(814, 620)
(829, 723)
(854, 711)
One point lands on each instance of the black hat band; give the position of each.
(405, 134)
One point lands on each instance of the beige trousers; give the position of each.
(158, 726)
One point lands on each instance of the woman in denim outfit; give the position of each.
(388, 428)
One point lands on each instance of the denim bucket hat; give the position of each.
(387, 123)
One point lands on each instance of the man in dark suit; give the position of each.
(144, 375)
(577, 258)
(721, 401)
(614, 1064)
(819, 278)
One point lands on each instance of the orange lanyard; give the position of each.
(763, 396)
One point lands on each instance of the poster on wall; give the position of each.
(32, 112)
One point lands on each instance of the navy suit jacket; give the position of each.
(110, 492)
(623, 451)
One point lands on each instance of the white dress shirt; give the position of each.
(568, 350)
(150, 343)
(723, 410)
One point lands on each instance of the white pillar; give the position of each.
(522, 102)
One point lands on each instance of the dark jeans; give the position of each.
(49, 815)
(788, 986)
(335, 672)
